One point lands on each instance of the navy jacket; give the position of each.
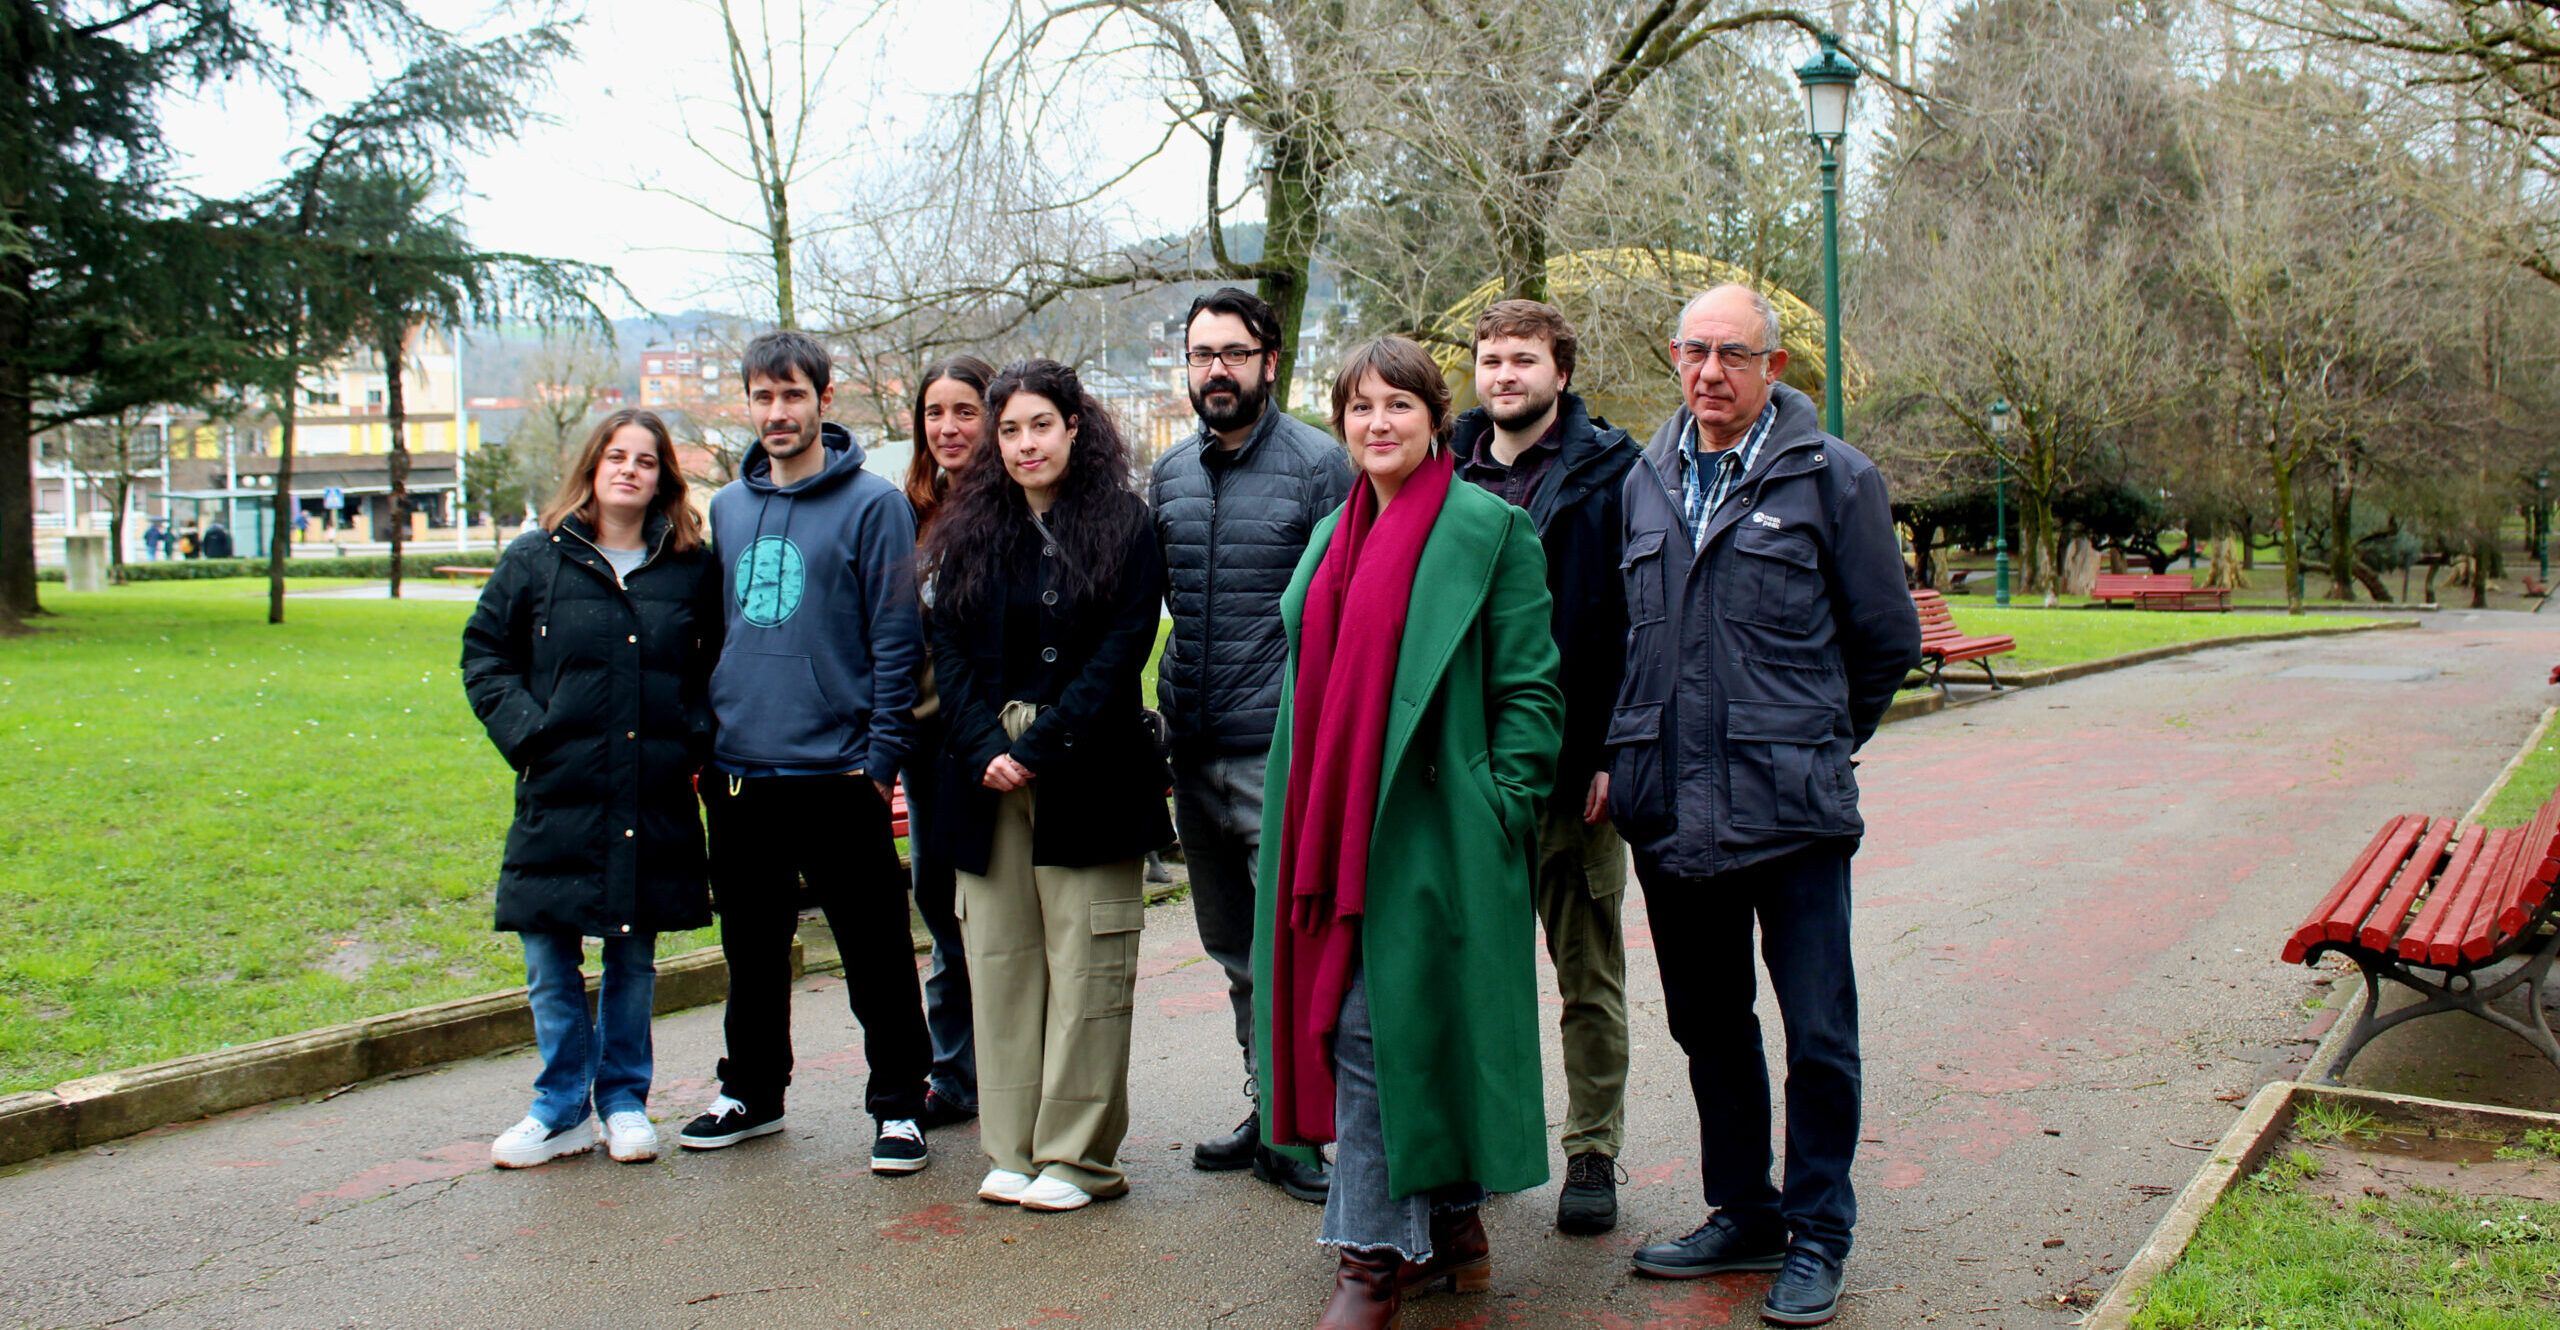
(1760, 654)
(824, 641)
(1232, 524)
(1578, 514)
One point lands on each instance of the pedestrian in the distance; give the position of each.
(589, 662)
(190, 545)
(217, 541)
(151, 540)
(950, 410)
(1046, 582)
(1769, 626)
(1395, 975)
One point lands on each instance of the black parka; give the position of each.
(1760, 653)
(1101, 783)
(597, 693)
(1232, 523)
(1578, 512)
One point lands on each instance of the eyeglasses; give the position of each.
(1232, 357)
(1734, 354)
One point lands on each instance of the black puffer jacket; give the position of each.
(1579, 514)
(1760, 653)
(598, 696)
(1232, 523)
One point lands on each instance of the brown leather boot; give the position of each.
(1460, 1253)
(1366, 1295)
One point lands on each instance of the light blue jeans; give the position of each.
(1358, 1210)
(604, 1059)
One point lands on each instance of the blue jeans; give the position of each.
(1702, 930)
(1359, 1210)
(948, 1019)
(604, 1059)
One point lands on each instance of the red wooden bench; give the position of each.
(2159, 591)
(898, 809)
(453, 572)
(1943, 644)
(2430, 905)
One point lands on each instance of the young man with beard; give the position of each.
(812, 697)
(1233, 508)
(1533, 444)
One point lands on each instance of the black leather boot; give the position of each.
(1232, 1151)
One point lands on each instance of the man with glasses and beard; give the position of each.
(1233, 508)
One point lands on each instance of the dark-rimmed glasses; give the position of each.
(1733, 355)
(1233, 357)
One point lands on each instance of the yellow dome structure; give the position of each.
(1622, 303)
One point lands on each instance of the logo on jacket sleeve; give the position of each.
(770, 577)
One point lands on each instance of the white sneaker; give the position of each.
(1051, 1194)
(630, 1137)
(1003, 1186)
(529, 1143)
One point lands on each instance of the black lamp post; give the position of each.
(2542, 521)
(2000, 504)
(1828, 81)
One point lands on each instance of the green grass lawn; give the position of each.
(2269, 1257)
(2063, 637)
(220, 831)
(2534, 780)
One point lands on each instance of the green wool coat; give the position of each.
(1449, 942)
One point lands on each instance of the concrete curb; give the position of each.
(1909, 707)
(2245, 1147)
(81, 1113)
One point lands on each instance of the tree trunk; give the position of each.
(2288, 532)
(2248, 540)
(17, 447)
(280, 539)
(397, 413)
(1293, 216)
(115, 529)
(2373, 583)
(1924, 541)
(2342, 528)
(2480, 551)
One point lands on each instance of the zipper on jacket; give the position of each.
(1208, 598)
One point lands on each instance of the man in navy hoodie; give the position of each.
(812, 696)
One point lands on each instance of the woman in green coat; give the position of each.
(1395, 979)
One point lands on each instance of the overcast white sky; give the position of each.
(570, 189)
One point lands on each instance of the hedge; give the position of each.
(370, 565)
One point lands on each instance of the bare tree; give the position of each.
(114, 454)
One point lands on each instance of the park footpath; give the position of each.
(2069, 910)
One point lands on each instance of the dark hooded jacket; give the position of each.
(1760, 655)
(824, 644)
(1232, 523)
(596, 692)
(1578, 512)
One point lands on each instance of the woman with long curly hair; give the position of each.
(950, 427)
(1046, 582)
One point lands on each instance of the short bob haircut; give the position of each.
(779, 354)
(1401, 364)
(1529, 319)
(577, 494)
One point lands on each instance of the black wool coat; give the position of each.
(1100, 782)
(597, 693)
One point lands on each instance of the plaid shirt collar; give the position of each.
(1705, 483)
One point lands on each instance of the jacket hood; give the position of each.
(843, 460)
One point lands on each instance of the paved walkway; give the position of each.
(2068, 918)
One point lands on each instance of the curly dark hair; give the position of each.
(984, 527)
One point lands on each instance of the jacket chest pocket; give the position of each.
(1647, 580)
(1777, 580)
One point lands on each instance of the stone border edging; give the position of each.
(2245, 1146)
(78, 1114)
(1911, 707)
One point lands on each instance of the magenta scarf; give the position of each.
(1349, 635)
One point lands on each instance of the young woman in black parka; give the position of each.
(589, 661)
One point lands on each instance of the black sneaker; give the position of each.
(1807, 1290)
(1715, 1247)
(1307, 1182)
(1590, 1200)
(899, 1147)
(940, 1111)
(1232, 1151)
(726, 1123)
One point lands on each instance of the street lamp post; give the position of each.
(2542, 521)
(1828, 81)
(2000, 505)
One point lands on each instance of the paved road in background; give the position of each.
(2068, 913)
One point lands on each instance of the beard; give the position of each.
(788, 443)
(1528, 412)
(1245, 404)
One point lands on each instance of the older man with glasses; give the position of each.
(1234, 505)
(1768, 627)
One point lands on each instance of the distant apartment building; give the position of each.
(680, 377)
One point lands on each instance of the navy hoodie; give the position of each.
(818, 675)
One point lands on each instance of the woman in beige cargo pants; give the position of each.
(1045, 581)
